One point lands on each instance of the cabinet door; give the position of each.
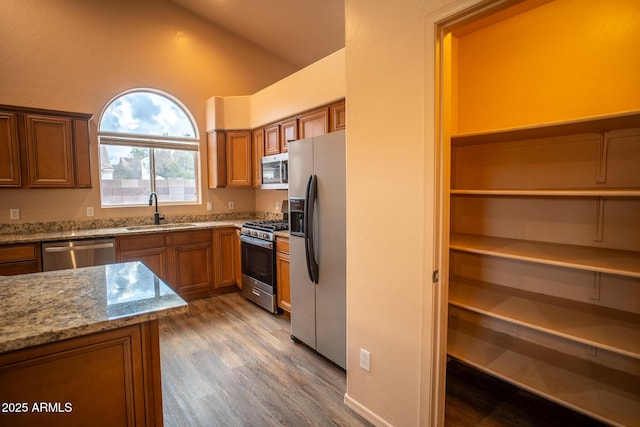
(19, 259)
(282, 275)
(49, 151)
(225, 273)
(216, 159)
(82, 153)
(256, 156)
(288, 132)
(155, 259)
(237, 259)
(239, 159)
(149, 249)
(337, 117)
(193, 272)
(315, 123)
(272, 140)
(9, 151)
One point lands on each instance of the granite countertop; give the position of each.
(115, 231)
(41, 308)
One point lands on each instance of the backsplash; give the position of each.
(54, 226)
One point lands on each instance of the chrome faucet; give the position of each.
(156, 215)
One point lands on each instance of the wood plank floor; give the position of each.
(230, 363)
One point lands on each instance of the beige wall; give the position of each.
(76, 55)
(386, 216)
(391, 166)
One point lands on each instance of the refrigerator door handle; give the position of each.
(309, 241)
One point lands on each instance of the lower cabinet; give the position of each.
(195, 263)
(107, 378)
(191, 254)
(225, 265)
(282, 274)
(19, 259)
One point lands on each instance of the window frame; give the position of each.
(152, 142)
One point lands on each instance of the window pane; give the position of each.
(124, 174)
(146, 113)
(175, 175)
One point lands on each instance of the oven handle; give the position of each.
(256, 242)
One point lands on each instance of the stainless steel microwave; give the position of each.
(275, 172)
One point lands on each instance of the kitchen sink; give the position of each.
(160, 226)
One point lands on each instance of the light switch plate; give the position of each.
(14, 213)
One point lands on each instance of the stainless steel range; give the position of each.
(259, 261)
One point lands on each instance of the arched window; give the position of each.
(148, 142)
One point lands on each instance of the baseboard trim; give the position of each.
(364, 412)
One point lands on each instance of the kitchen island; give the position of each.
(81, 347)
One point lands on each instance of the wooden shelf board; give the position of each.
(598, 192)
(625, 263)
(600, 327)
(544, 130)
(603, 393)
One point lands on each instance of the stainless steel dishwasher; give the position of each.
(77, 253)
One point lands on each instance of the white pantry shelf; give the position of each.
(625, 263)
(548, 192)
(601, 327)
(596, 124)
(603, 393)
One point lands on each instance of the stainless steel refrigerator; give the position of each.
(317, 226)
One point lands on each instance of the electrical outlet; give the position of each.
(365, 360)
(209, 206)
(232, 205)
(89, 211)
(14, 213)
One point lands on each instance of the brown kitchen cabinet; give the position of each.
(229, 158)
(257, 151)
(225, 250)
(9, 151)
(237, 259)
(239, 162)
(283, 282)
(288, 132)
(44, 148)
(544, 264)
(109, 378)
(19, 258)
(314, 123)
(151, 249)
(216, 159)
(191, 263)
(272, 140)
(337, 117)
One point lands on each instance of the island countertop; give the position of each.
(41, 308)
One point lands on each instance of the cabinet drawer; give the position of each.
(282, 244)
(18, 253)
(143, 242)
(188, 237)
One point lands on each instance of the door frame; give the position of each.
(439, 124)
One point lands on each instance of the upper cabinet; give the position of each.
(9, 151)
(234, 156)
(314, 123)
(272, 139)
(288, 132)
(229, 155)
(44, 149)
(239, 158)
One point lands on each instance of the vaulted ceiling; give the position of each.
(298, 31)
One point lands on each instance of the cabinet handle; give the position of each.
(255, 292)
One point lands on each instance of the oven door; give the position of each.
(258, 272)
